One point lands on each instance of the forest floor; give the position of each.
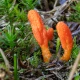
(20, 53)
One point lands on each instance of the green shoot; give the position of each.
(57, 45)
(15, 67)
(8, 37)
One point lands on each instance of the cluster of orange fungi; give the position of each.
(43, 36)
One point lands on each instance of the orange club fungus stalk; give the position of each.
(65, 36)
(40, 33)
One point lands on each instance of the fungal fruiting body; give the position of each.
(40, 33)
(65, 36)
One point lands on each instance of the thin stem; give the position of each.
(74, 67)
(15, 67)
(5, 59)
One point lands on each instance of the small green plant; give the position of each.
(4, 6)
(35, 60)
(1, 7)
(17, 14)
(75, 15)
(75, 50)
(30, 4)
(77, 76)
(8, 37)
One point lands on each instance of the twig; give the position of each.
(55, 3)
(76, 32)
(45, 76)
(58, 7)
(74, 67)
(56, 68)
(5, 59)
(49, 21)
(51, 11)
(58, 75)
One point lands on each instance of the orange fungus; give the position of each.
(65, 36)
(40, 33)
